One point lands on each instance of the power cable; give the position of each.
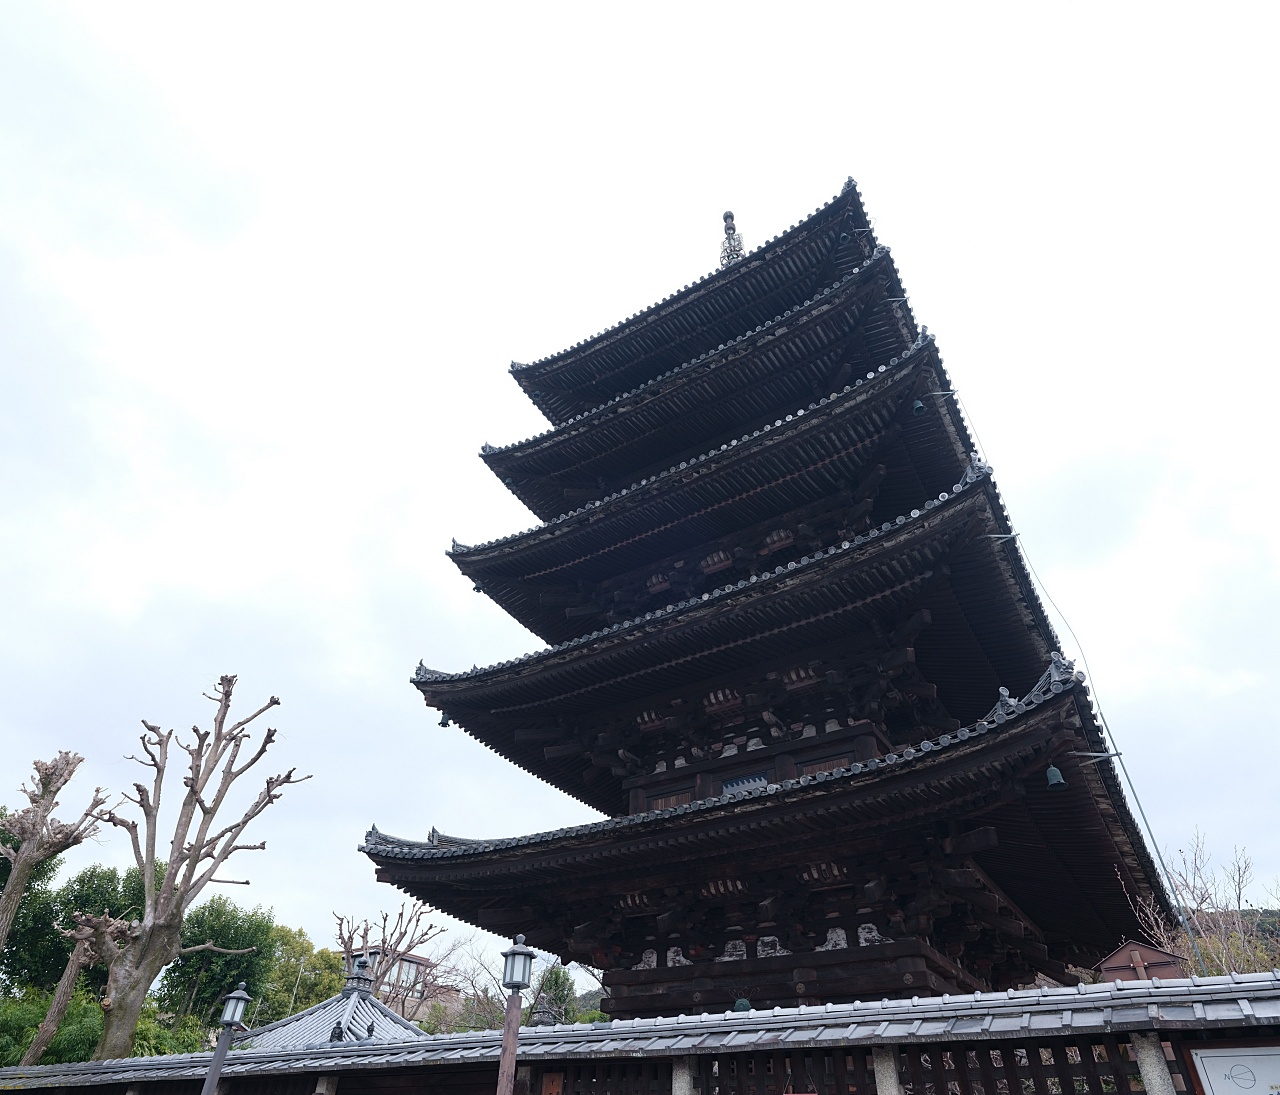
(1168, 877)
(1173, 889)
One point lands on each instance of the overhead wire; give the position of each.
(1119, 756)
(1102, 718)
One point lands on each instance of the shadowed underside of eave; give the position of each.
(1050, 843)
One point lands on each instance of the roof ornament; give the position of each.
(976, 470)
(1005, 708)
(1061, 675)
(849, 184)
(425, 673)
(731, 250)
(359, 980)
(457, 547)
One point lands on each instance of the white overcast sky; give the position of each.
(263, 268)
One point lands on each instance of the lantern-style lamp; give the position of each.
(517, 974)
(234, 1005)
(232, 1012)
(517, 966)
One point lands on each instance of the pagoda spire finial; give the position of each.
(731, 249)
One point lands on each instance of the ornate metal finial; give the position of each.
(731, 249)
(359, 979)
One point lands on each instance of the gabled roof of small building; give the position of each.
(355, 1014)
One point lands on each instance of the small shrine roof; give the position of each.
(355, 1012)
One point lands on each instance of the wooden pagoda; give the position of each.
(795, 657)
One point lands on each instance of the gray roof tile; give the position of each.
(1239, 1000)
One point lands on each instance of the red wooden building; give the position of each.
(795, 657)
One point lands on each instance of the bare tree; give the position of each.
(1222, 929)
(403, 979)
(136, 952)
(83, 955)
(38, 835)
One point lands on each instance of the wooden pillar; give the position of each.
(326, 1085)
(884, 1059)
(510, 1038)
(683, 1070)
(1152, 1064)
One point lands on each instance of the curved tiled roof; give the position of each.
(583, 419)
(978, 470)
(591, 508)
(1248, 1003)
(789, 261)
(1059, 677)
(361, 1016)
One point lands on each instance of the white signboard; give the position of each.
(1255, 1070)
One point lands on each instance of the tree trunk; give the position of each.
(11, 895)
(127, 985)
(77, 961)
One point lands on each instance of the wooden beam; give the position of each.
(529, 734)
(981, 839)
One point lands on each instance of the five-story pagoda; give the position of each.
(795, 657)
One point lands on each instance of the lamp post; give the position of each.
(517, 974)
(232, 1012)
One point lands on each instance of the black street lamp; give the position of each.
(517, 975)
(232, 1012)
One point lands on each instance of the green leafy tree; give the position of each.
(21, 1015)
(81, 1028)
(155, 1037)
(37, 951)
(196, 982)
(300, 976)
(483, 1009)
(555, 997)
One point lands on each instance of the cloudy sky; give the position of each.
(263, 268)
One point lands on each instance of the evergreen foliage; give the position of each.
(20, 1015)
(195, 984)
(37, 951)
(181, 1014)
(300, 976)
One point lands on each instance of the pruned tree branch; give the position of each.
(199, 844)
(209, 946)
(403, 977)
(37, 836)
